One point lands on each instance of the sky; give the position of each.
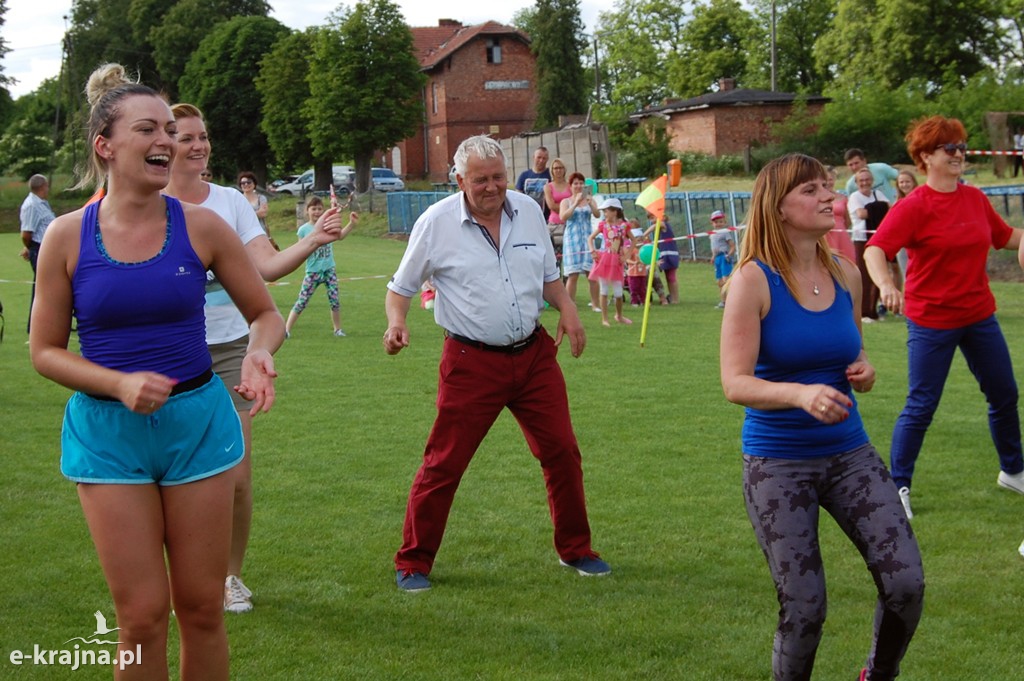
(33, 30)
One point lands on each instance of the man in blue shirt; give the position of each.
(531, 181)
(884, 175)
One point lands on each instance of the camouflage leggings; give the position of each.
(783, 498)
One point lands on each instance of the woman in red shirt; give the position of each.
(948, 229)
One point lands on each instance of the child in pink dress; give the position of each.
(609, 261)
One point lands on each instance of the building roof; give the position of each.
(434, 44)
(727, 98)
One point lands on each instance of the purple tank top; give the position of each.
(145, 316)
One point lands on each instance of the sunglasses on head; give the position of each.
(951, 148)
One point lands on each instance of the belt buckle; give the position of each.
(520, 345)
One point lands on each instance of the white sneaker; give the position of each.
(237, 598)
(905, 500)
(1021, 549)
(1014, 481)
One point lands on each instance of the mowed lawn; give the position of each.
(689, 597)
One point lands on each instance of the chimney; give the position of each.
(449, 23)
(725, 84)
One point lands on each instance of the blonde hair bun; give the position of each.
(104, 79)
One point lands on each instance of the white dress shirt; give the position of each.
(494, 296)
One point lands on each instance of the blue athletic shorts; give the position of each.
(723, 268)
(195, 435)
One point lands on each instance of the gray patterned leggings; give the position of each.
(783, 498)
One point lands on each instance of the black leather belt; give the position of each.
(518, 346)
(180, 387)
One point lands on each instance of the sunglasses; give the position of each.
(246, 182)
(205, 175)
(951, 148)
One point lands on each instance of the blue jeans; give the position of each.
(929, 356)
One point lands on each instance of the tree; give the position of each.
(639, 44)
(715, 45)
(890, 42)
(365, 91)
(184, 27)
(557, 42)
(219, 80)
(4, 80)
(283, 85)
(798, 24)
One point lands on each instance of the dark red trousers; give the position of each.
(473, 388)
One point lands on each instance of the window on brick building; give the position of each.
(433, 96)
(493, 51)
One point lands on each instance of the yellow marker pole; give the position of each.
(650, 281)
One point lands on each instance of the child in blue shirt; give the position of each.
(319, 269)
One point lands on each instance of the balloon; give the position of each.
(648, 254)
(590, 182)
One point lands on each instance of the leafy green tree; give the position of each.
(143, 17)
(4, 80)
(890, 42)
(798, 24)
(99, 32)
(283, 85)
(639, 44)
(219, 80)
(184, 27)
(557, 42)
(365, 94)
(715, 45)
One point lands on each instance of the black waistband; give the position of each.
(507, 349)
(180, 387)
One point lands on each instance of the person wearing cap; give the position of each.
(723, 249)
(492, 264)
(609, 267)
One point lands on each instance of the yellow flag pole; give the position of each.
(650, 281)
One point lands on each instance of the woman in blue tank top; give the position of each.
(151, 433)
(792, 354)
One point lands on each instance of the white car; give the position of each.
(385, 180)
(304, 183)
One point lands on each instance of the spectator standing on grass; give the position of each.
(150, 436)
(533, 180)
(227, 332)
(948, 229)
(883, 175)
(1018, 146)
(555, 192)
(793, 355)
(610, 261)
(576, 211)
(258, 202)
(36, 216)
(723, 250)
(489, 256)
(320, 269)
(865, 205)
(668, 256)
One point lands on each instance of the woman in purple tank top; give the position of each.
(151, 434)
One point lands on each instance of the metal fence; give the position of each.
(689, 213)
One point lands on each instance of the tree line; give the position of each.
(351, 86)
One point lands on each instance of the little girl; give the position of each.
(638, 272)
(607, 271)
(319, 269)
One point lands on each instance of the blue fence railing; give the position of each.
(689, 213)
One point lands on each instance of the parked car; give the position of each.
(342, 178)
(385, 180)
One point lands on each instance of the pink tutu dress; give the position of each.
(609, 266)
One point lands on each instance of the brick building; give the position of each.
(480, 80)
(727, 121)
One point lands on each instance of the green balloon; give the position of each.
(648, 254)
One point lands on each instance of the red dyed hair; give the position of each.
(925, 134)
(576, 176)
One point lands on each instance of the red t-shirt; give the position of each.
(947, 236)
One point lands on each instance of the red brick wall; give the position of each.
(726, 130)
(465, 107)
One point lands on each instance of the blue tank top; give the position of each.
(145, 316)
(802, 346)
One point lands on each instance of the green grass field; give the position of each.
(690, 596)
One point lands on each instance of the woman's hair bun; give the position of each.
(104, 79)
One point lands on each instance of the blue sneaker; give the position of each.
(588, 566)
(411, 581)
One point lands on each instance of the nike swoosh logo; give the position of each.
(228, 449)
